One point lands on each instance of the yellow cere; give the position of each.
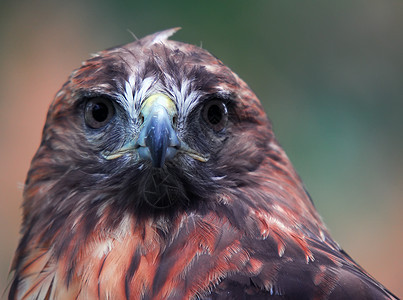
(158, 99)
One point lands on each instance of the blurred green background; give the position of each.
(330, 75)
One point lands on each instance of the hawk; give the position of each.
(159, 177)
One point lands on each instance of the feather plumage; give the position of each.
(237, 226)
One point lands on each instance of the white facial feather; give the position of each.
(133, 95)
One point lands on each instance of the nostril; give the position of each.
(174, 121)
(141, 119)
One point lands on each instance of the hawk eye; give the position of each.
(215, 113)
(98, 112)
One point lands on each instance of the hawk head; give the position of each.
(150, 127)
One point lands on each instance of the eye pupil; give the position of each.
(214, 114)
(99, 112)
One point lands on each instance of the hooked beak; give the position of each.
(157, 140)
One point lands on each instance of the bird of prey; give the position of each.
(159, 177)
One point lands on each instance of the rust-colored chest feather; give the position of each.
(147, 260)
(136, 262)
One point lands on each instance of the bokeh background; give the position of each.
(330, 75)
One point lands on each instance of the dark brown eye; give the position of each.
(98, 112)
(215, 113)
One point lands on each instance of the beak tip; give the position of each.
(157, 159)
